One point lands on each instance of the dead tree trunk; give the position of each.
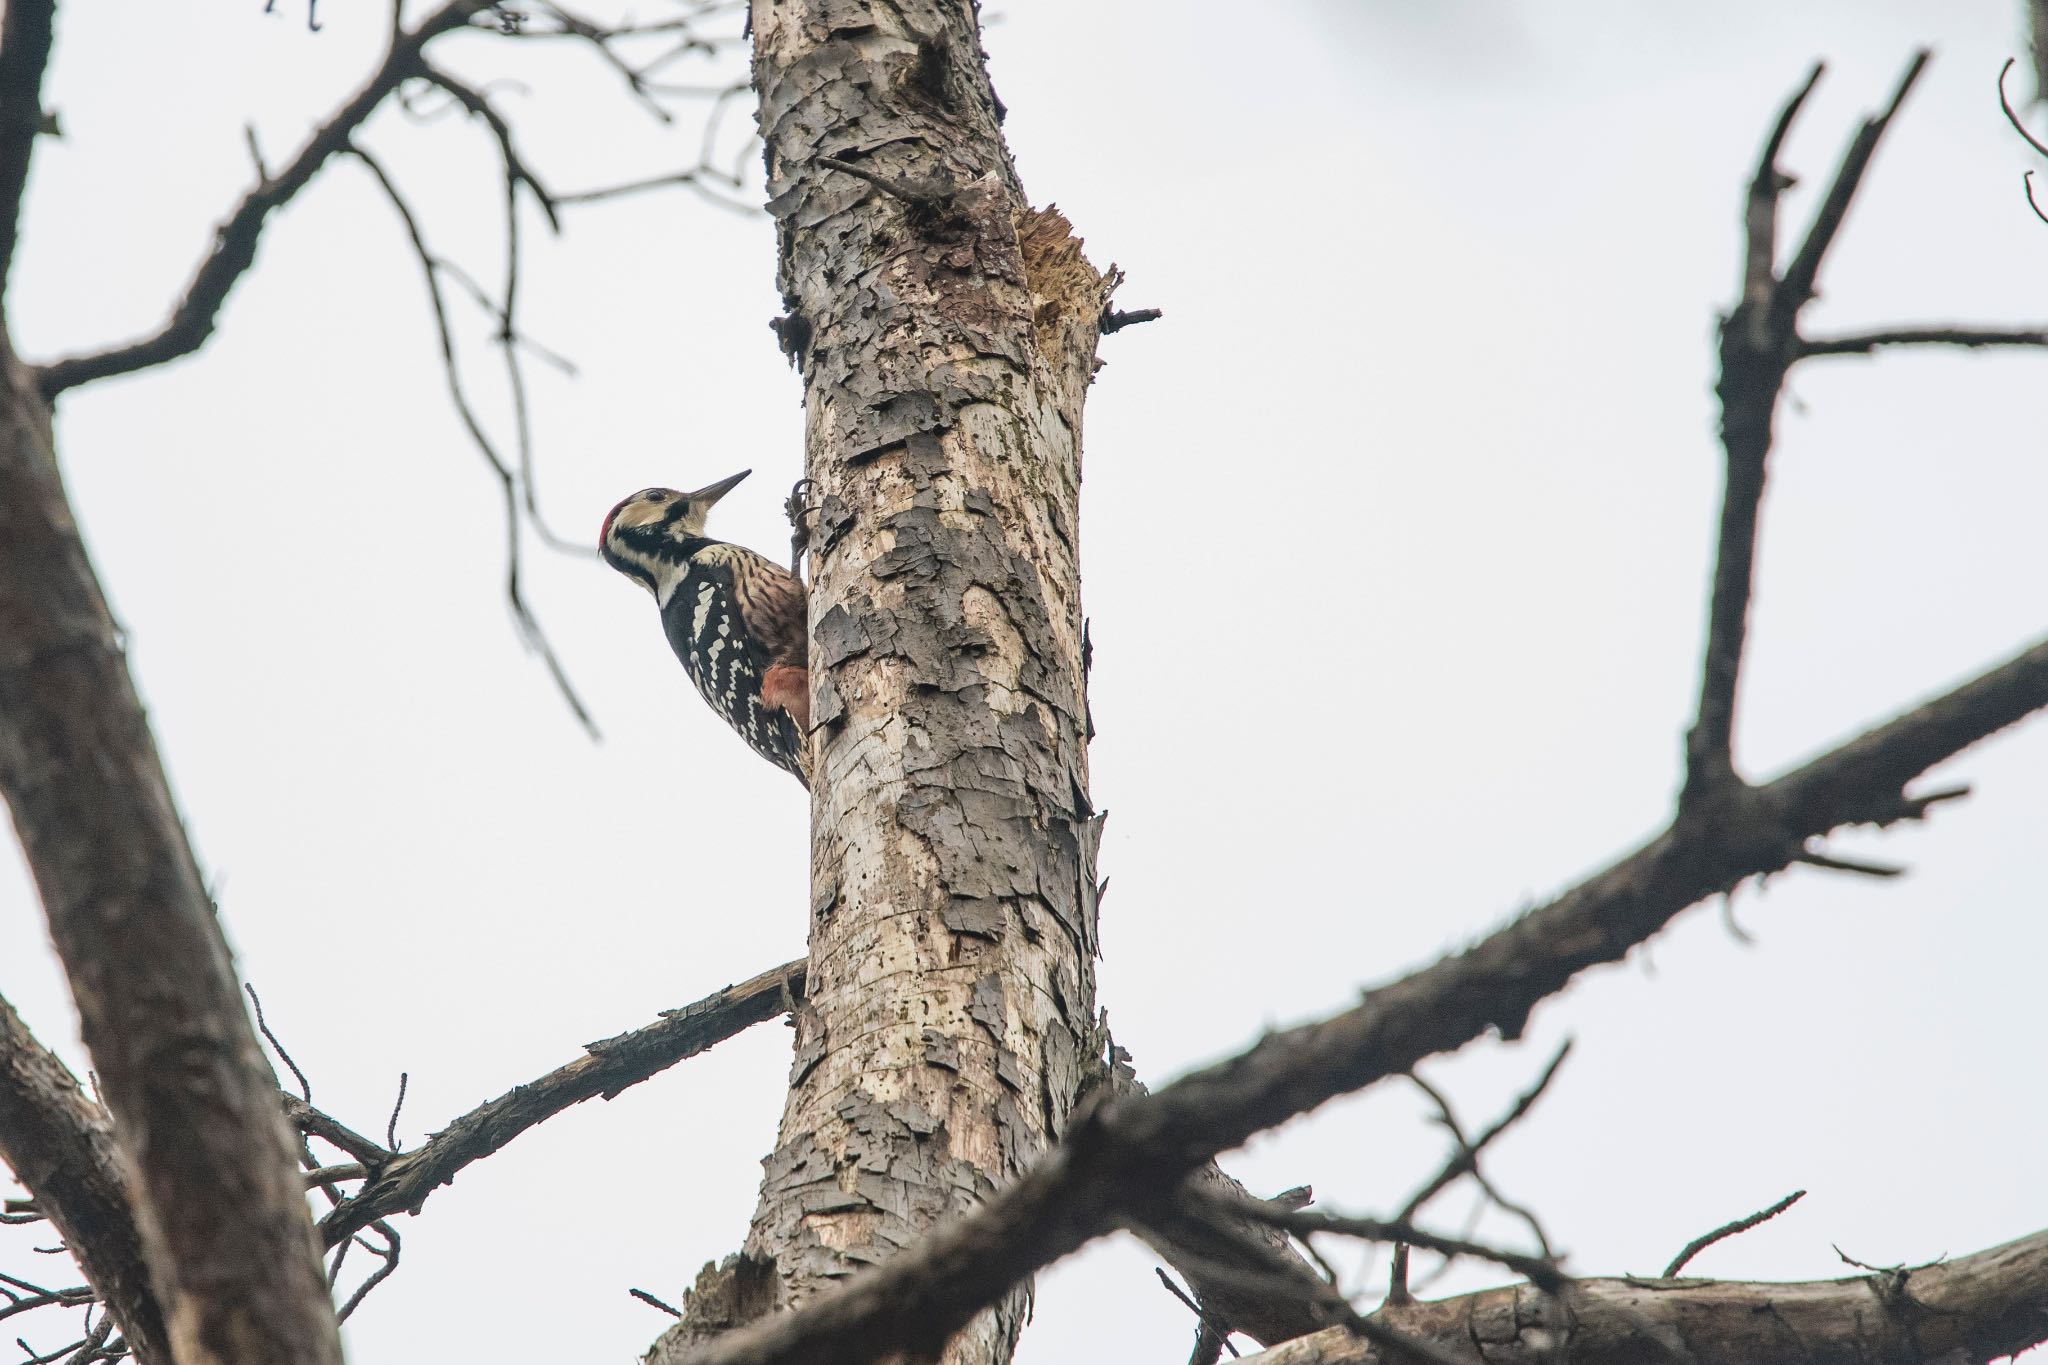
(946, 333)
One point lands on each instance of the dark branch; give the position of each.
(692, 179)
(317, 1123)
(1125, 1159)
(25, 28)
(235, 241)
(263, 1027)
(214, 1191)
(1798, 284)
(2012, 115)
(1727, 1230)
(1864, 343)
(1540, 1272)
(649, 1299)
(60, 1145)
(431, 267)
(1115, 319)
(1464, 1158)
(1759, 343)
(479, 106)
(607, 1068)
(1969, 1311)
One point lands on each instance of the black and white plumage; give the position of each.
(736, 620)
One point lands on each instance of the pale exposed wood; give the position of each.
(1962, 1312)
(218, 1199)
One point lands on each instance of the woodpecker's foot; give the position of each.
(798, 508)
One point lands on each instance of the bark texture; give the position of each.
(219, 1203)
(946, 335)
(60, 1145)
(1963, 1312)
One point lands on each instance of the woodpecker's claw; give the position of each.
(798, 509)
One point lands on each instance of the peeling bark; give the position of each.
(1963, 1312)
(947, 335)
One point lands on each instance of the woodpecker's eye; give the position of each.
(655, 495)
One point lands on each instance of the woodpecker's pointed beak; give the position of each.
(711, 493)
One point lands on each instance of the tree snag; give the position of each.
(949, 338)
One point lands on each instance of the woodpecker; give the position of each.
(736, 620)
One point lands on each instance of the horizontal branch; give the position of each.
(1864, 343)
(1125, 1158)
(235, 240)
(1968, 1311)
(607, 1068)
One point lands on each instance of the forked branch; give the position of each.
(235, 241)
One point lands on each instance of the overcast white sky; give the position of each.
(1396, 539)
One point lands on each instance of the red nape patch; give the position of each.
(604, 532)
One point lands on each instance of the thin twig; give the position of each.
(403, 1182)
(1864, 343)
(305, 1086)
(391, 1127)
(2012, 115)
(1220, 1331)
(389, 1254)
(1727, 1230)
(1464, 1159)
(192, 322)
(648, 1298)
(529, 626)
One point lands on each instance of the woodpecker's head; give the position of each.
(647, 536)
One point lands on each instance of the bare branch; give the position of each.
(508, 482)
(389, 1254)
(1115, 320)
(25, 27)
(61, 1146)
(1797, 287)
(316, 1123)
(1969, 1311)
(692, 179)
(217, 1198)
(1865, 343)
(479, 106)
(1465, 1153)
(1727, 1230)
(263, 1027)
(606, 1069)
(1125, 1158)
(1759, 342)
(235, 241)
(2012, 115)
(649, 1299)
(1539, 1271)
